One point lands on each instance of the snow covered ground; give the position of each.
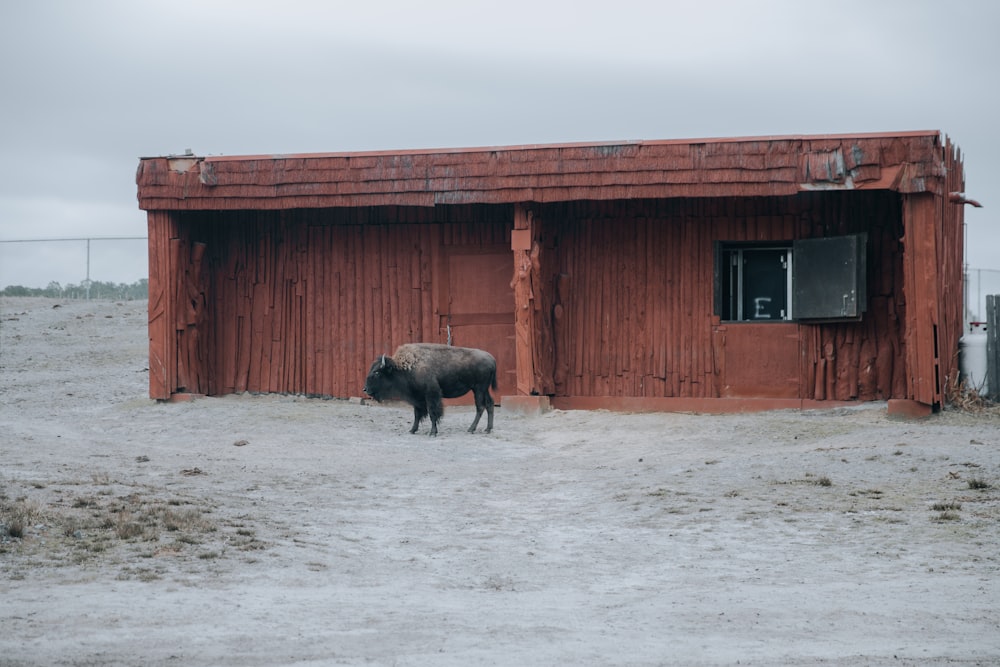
(281, 530)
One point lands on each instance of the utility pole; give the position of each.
(86, 282)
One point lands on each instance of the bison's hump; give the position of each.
(409, 355)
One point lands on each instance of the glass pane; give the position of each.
(765, 284)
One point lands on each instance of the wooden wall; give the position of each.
(299, 301)
(949, 255)
(633, 311)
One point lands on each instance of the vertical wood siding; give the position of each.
(635, 294)
(290, 273)
(951, 237)
(302, 301)
(162, 364)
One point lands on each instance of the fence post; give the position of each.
(993, 346)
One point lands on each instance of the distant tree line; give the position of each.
(96, 290)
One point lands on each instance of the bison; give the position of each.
(423, 373)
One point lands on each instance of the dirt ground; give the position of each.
(282, 530)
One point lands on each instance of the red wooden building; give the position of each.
(707, 275)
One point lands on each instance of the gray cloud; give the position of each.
(90, 87)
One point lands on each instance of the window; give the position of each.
(756, 283)
(811, 279)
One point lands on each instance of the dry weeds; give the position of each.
(960, 396)
(77, 522)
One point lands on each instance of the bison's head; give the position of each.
(379, 382)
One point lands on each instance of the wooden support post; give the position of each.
(533, 309)
(920, 284)
(524, 329)
(162, 229)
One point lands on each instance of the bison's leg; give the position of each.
(483, 402)
(479, 413)
(489, 412)
(435, 408)
(418, 415)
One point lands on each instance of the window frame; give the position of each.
(841, 275)
(732, 296)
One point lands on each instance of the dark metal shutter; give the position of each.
(828, 277)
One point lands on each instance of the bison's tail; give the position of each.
(493, 382)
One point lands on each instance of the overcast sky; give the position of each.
(89, 87)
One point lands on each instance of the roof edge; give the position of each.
(530, 147)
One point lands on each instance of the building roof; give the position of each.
(905, 162)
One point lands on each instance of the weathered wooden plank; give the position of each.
(648, 353)
(607, 313)
(920, 259)
(664, 242)
(339, 269)
(292, 348)
(263, 200)
(352, 339)
(177, 250)
(706, 316)
(373, 287)
(396, 295)
(258, 364)
(313, 308)
(683, 306)
(334, 266)
(428, 243)
(160, 309)
(277, 321)
(414, 289)
(246, 252)
(524, 335)
(331, 265)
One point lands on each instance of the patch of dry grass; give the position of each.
(960, 396)
(946, 507)
(17, 515)
(97, 520)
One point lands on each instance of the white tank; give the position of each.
(972, 360)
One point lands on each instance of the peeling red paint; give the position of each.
(290, 273)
